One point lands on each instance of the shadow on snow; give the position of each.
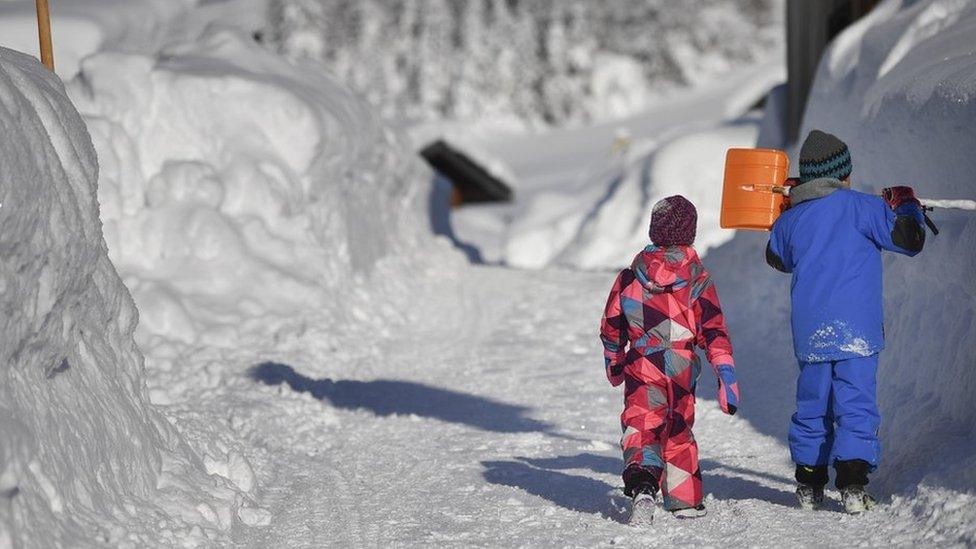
(593, 462)
(573, 492)
(717, 481)
(543, 477)
(388, 397)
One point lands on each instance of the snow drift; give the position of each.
(251, 206)
(899, 87)
(584, 194)
(81, 450)
(607, 232)
(906, 108)
(242, 195)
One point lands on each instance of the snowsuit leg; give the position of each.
(643, 424)
(837, 416)
(658, 443)
(682, 482)
(855, 409)
(812, 425)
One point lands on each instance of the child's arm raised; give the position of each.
(895, 223)
(713, 336)
(613, 331)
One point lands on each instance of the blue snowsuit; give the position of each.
(831, 241)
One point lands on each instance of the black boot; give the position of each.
(852, 477)
(851, 472)
(810, 492)
(642, 485)
(637, 479)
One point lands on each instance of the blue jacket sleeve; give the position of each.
(901, 231)
(777, 252)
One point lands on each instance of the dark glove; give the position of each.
(728, 389)
(615, 373)
(899, 196)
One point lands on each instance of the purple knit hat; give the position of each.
(673, 222)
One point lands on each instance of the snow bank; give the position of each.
(606, 232)
(582, 192)
(251, 207)
(84, 458)
(907, 109)
(907, 113)
(242, 195)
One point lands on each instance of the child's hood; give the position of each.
(665, 269)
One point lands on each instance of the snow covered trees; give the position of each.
(538, 62)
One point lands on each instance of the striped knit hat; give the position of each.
(824, 155)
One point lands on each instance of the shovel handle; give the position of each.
(930, 223)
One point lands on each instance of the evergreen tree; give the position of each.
(534, 60)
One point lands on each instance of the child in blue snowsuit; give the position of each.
(830, 239)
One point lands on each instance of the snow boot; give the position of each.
(690, 512)
(856, 500)
(809, 497)
(642, 510)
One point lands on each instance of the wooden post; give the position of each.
(44, 33)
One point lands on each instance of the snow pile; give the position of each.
(899, 87)
(518, 62)
(608, 232)
(584, 194)
(254, 209)
(242, 195)
(82, 452)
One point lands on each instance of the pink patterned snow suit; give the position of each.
(663, 306)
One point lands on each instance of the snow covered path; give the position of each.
(502, 434)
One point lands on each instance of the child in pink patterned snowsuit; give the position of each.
(663, 306)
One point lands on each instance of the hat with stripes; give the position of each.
(824, 155)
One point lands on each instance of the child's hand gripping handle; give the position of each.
(898, 196)
(901, 199)
(728, 389)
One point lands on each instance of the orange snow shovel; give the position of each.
(755, 188)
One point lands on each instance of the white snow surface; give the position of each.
(84, 458)
(241, 193)
(250, 205)
(321, 371)
(80, 28)
(584, 194)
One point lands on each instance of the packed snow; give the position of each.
(584, 193)
(246, 191)
(905, 110)
(310, 366)
(84, 454)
